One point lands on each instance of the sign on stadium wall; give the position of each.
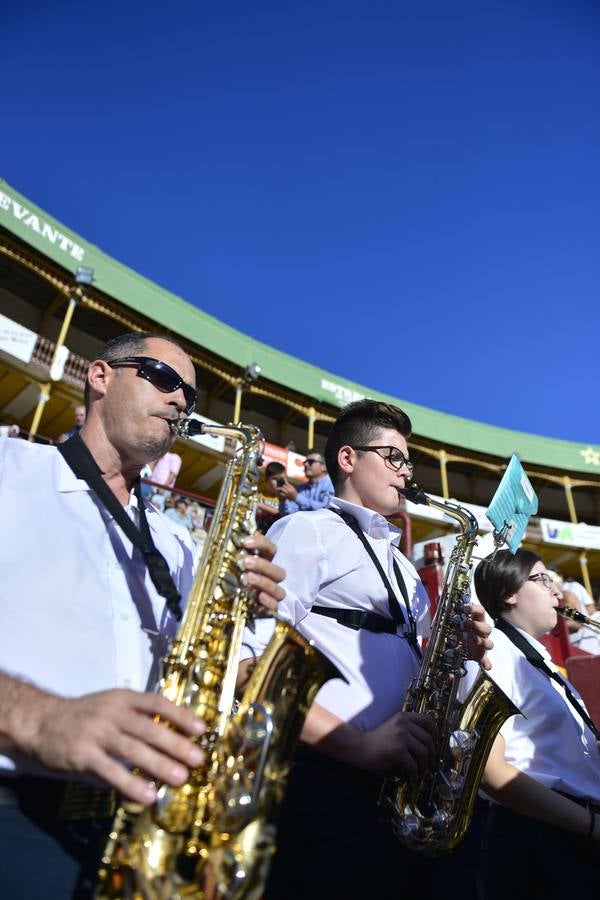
(571, 534)
(38, 224)
(292, 461)
(16, 340)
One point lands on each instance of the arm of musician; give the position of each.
(527, 797)
(405, 742)
(92, 735)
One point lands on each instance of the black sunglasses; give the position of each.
(160, 375)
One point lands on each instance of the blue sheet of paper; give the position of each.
(513, 503)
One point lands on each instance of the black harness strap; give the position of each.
(358, 619)
(84, 466)
(536, 659)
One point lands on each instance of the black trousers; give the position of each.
(526, 860)
(330, 843)
(41, 856)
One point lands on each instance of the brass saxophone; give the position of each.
(214, 836)
(431, 815)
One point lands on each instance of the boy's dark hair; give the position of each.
(131, 344)
(500, 576)
(273, 469)
(358, 423)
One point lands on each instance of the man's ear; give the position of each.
(98, 376)
(346, 460)
(511, 601)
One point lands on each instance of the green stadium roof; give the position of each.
(52, 239)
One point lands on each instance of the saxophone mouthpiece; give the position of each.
(186, 428)
(415, 494)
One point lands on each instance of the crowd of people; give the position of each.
(86, 624)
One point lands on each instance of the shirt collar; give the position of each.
(371, 522)
(537, 645)
(67, 481)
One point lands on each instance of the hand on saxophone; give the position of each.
(478, 635)
(104, 734)
(404, 744)
(262, 573)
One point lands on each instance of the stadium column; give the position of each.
(312, 414)
(443, 457)
(74, 294)
(569, 495)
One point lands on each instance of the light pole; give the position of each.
(251, 374)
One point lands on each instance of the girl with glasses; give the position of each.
(542, 836)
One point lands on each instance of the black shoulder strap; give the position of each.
(84, 466)
(394, 607)
(536, 659)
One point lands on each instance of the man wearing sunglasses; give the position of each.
(352, 592)
(87, 616)
(314, 494)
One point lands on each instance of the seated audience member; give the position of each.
(268, 506)
(576, 596)
(79, 417)
(166, 469)
(315, 494)
(179, 513)
(542, 836)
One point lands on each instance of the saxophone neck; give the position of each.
(188, 428)
(575, 616)
(464, 517)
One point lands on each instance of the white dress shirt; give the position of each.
(327, 565)
(552, 744)
(78, 610)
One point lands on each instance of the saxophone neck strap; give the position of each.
(536, 659)
(394, 607)
(84, 466)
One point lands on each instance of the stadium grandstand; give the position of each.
(62, 298)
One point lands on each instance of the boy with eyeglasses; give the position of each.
(315, 494)
(352, 592)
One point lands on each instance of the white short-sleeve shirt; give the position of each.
(552, 744)
(327, 565)
(78, 610)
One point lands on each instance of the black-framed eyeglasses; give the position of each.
(309, 462)
(543, 578)
(160, 375)
(393, 456)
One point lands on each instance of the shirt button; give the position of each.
(125, 617)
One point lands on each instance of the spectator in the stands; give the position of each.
(315, 494)
(268, 505)
(79, 416)
(576, 596)
(179, 513)
(166, 469)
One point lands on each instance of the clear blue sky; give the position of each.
(406, 194)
